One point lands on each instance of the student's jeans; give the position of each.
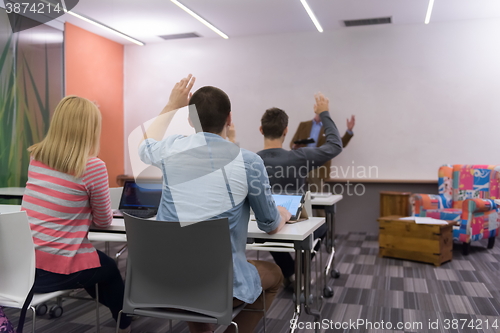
(271, 280)
(111, 286)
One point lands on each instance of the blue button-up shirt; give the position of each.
(315, 129)
(207, 177)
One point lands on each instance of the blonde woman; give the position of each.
(66, 191)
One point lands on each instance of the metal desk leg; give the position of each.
(303, 288)
(330, 222)
(334, 273)
(307, 287)
(330, 248)
(297, 287)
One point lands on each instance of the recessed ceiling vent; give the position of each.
(179, 36)
(371, 21)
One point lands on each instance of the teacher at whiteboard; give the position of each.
(310, 134)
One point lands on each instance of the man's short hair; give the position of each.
(274, 121)
(213, 107)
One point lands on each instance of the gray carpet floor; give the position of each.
(376, 293)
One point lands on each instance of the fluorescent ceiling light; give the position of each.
(311, 15)
(201, 19)
(429, 12)
(100, 25)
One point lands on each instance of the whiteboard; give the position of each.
(423, 95)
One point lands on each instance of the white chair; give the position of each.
(115, 193)
(17, 264)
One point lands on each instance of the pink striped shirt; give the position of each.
(60, 209)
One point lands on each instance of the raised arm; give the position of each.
(179, 98)
(333, 145)
(349, 133)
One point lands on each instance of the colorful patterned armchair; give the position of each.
(466, 194)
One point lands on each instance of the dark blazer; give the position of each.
(303, 132)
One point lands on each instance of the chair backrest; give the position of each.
(186, 267)
(475, 181)
(115, 194)
(17, 259)
(445, 185)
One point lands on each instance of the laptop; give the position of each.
(292, 202)
(140, 199)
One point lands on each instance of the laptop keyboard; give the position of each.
(140, 213)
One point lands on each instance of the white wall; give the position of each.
(423, 95)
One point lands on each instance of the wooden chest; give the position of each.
(420, 242)
(394, 203)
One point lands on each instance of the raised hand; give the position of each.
(181, 93)
(322, 103)
(351, 123)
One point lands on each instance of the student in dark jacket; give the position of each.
(288, 169)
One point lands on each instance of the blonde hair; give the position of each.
(73, 136)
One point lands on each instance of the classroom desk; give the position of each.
(327, 203)
(11, 192)
(301, 233)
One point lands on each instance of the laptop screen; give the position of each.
(140, 196)
(292, 203)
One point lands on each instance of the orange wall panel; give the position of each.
(94, 70)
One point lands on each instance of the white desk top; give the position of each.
(9, 208)
(325, 199)
(296, 231)
(13, 191)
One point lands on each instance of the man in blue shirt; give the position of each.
(207, 177)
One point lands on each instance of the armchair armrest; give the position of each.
(424, 201)
(477, 205)
(478, 215)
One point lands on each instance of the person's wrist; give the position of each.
(173, 106)
(168, 107)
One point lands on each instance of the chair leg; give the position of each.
(235, 326)
(118, 321)
(34, 316)
(119, 253)
(465, 248)
(97, 316)
(491, 242)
